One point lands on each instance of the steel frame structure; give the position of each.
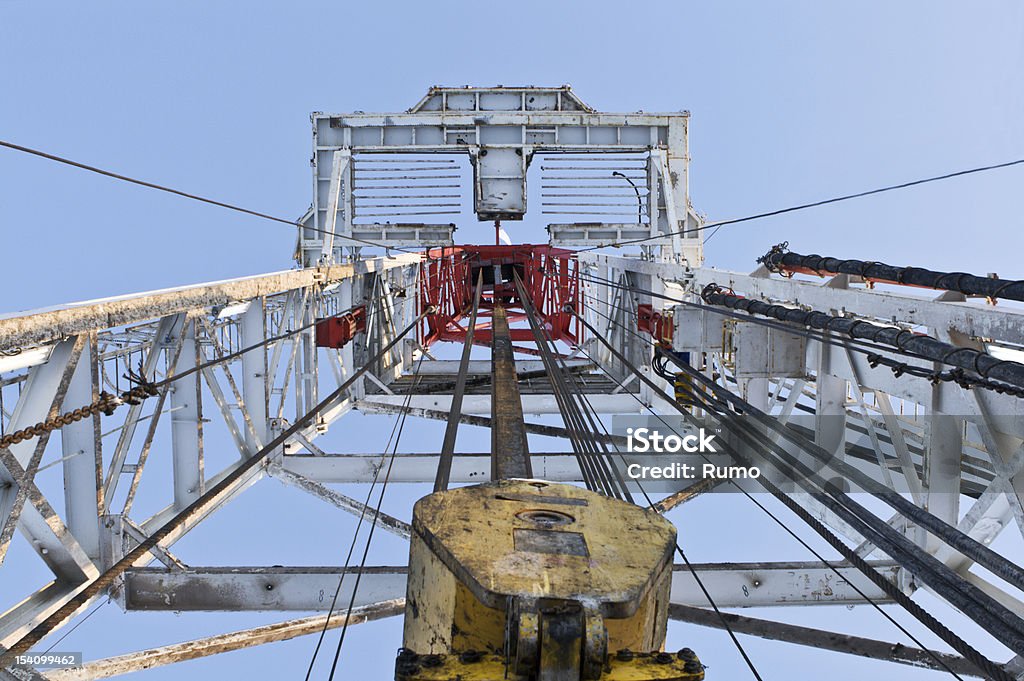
(550, 279)
(970, 449)
(501, 129)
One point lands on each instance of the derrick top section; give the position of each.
(501, 98)
(374, 171)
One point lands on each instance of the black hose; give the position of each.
(779, 259)
(981, 363)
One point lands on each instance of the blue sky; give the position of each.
(790, 102)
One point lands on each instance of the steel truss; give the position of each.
(942, 444)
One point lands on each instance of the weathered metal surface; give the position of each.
(824, 640)
(751, 585)
(223, 643)
(578, 572)
(27, 329)
(298, 588)
(643, 666)
(211, 497)
(532, 402)
(256, 588)
(686, 494)
(561, 638)
(502, 130)
(472, 530)
(511, 453)
(975, 320)
(345, 503)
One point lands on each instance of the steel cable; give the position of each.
(824, 532)
(961, 646)
(376, 516)
(781, 211)
(194, 197)
(351, 549)
(246, 467)
(573, 407)
(958, 540)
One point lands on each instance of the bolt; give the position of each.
(406, 654)
(692, 666)
(432, 661)
(624, 655)
(269, 587)
(663, 658)
(470, 656)
(686, 654)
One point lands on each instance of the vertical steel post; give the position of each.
(254, 374)
(79, 444)
(444, 468)
(186, 424)
(510, 456)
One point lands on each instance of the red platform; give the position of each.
(550, 276)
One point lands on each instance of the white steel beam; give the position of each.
(450, 367)
(751, 585)
(970, 319)
(23, 617)
(35, 327)
(345, 503)
(45, 531)
(83, 462)
(258, 588)
(532, 404)
(255, 392)
(473, 468)
(732, 585)
(187, 423)
(824, 640)
(223, 643)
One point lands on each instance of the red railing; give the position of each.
(448, 277)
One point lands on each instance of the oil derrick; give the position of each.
(525, 563)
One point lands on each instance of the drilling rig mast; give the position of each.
(523, 564)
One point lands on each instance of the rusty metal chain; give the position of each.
(106, 404)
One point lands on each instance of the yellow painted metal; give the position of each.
(476, 626)
(646, 629)
(429, 602)
(642, 667)
(529, 547)
(531, 539)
